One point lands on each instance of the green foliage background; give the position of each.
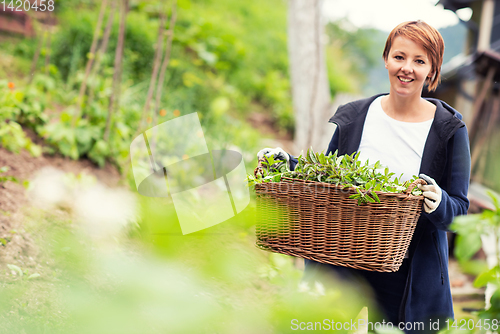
(228, 60)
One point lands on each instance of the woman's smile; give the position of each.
(405, 80)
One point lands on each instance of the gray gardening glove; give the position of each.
(432, 194)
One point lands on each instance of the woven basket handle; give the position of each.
(259, 168)
(413, 185)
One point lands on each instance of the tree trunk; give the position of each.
(166, 59)
(90, 61)
(156, 68)
(114, 100)
(310, 87)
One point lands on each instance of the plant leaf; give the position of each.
(467, 245)
(15, 268)
(35, 275)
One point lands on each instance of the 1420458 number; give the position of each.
(471, 324)
(26, 5)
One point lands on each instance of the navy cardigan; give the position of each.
(446, 158)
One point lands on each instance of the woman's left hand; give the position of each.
(432, 194)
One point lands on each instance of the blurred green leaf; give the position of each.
(15, 268)
(220, 105)
(490, 276)
(467, 245)
(32, 276)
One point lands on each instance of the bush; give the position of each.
(72, 43)
(16, 108)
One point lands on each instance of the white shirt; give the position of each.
(398, 145)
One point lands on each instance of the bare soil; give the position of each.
(15, 244)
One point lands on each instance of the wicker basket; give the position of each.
(318, 221)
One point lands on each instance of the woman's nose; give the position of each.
(407, 68)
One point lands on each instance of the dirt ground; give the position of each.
(16, 246)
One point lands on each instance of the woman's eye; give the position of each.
(398, 57)
(420, 61)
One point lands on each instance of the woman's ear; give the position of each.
(430, 77)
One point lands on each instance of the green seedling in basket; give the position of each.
(344, 170)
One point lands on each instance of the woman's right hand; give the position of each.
(277, 153)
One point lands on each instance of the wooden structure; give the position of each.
(22, 22)
(486, 108)
(470, 82)
(16, 22)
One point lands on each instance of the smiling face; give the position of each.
(409, 67)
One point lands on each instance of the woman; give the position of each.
(410, 135)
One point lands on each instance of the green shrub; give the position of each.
(16, 108)
(71, 44)
(472, 231)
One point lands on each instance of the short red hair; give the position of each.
(429, 38)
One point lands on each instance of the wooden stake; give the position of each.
(166, 59)
(102, 50)
(36, 56)
(90, 62)
(47, 54)
(492, 118)
(156, 67)
(114, 100)
(478, 103)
